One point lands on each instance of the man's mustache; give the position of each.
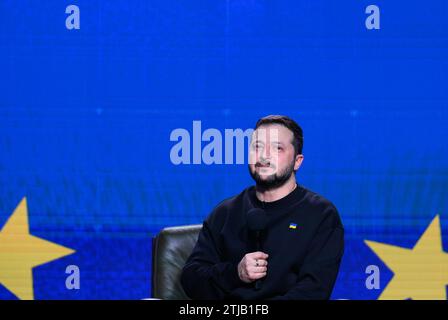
(264, 164)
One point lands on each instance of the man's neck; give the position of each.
(278, 193)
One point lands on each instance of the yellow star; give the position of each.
(420, 273)
(20, 252)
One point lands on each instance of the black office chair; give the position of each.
(170, 250)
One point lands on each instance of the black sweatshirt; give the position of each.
(303, 261)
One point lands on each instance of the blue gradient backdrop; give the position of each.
(86, 116)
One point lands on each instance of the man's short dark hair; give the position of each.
(288, 123)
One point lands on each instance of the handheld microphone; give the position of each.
(257, 222)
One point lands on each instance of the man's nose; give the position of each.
(266, 153)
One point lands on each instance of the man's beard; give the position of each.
(272, 181)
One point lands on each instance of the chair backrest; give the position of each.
(171, 249)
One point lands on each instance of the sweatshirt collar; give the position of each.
(279, 205)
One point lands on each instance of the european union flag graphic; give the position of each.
(121, 118)
(20, 252)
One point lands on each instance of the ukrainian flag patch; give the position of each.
(293, 226)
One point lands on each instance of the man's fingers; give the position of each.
(260, 270)
(257, 270)
(260, 263)
(257, 263)
(254, 266)
(256, 276)
(258, 255)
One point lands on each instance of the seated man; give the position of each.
(293, 249)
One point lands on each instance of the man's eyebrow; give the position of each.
(277, 142)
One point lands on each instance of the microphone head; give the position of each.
(257, 219)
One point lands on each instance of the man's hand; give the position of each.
(253, 266)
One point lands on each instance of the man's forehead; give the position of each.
(274, 132)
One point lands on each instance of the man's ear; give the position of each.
(298, 161)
